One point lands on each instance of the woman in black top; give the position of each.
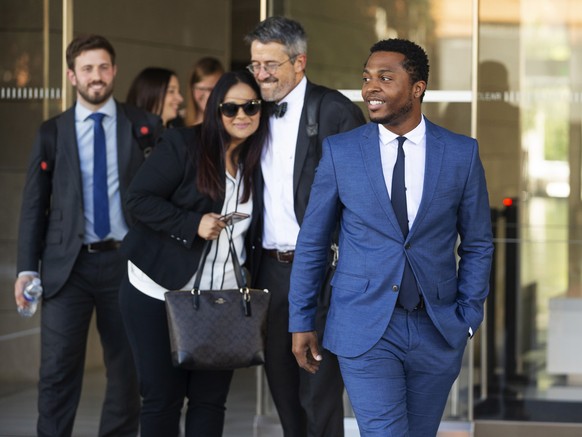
(193, 177)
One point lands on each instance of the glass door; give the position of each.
(530, 117)
(30, 91)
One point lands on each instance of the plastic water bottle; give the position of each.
(32, 294)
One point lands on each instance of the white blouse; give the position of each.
(218, 270)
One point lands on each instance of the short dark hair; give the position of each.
(148, 89)
(83, 43)
(215, 139)
(416, 59)
(282, 30)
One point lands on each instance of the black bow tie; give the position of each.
(279, 110)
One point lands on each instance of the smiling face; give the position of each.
(392, 100)
(172, 100)
(93, 77)
(241, 126)
(286, 72)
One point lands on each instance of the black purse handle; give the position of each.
(237, 268)
(245, 292)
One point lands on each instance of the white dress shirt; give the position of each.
(84, 129)
(414, 162)
(281, 229)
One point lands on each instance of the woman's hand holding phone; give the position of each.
(210, 226)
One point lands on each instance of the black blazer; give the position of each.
(337, 114)
(167, 208)
(52, 223)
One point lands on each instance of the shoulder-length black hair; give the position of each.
(148, 89)
(215, 141)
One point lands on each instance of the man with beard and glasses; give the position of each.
(415, 246)
(303, 114)
(72, 220)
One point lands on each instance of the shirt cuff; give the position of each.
(29, 273)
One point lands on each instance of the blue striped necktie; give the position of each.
(408, 296)
(100, 196)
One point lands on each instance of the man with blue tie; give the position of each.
(71, 224)
(415, 250)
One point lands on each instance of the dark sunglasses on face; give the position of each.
(230, 110)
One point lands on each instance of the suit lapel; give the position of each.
(302, 143)
(124, 146)
(370, 146)
(433, 165)
(69, 156)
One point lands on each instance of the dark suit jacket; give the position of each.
(337, 114)
(167, 207)
(52, 224)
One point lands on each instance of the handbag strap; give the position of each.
(238, 272)
(237, 268)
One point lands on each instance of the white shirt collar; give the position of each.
(415, 135)
(82, 112)
(295, 98)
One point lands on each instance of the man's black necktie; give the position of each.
(279, 110)
(408, 296)
(100, 196)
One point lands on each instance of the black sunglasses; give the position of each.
(230, 110)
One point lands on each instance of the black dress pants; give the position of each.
(308, 405)
(65, 318)
(164, 387)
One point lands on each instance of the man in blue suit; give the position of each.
(411, 196)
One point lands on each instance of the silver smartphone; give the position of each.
(233, 217)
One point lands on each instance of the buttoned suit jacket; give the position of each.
(373, 250)
(52, 223)
(336, 114)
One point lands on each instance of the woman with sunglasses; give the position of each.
(194, 176)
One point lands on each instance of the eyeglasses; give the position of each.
(203, 89)
(252, 107)
(269, 67)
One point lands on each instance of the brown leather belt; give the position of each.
(283, 257)
(102, 246)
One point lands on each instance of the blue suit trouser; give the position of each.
(399, 388)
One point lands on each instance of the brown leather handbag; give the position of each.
(217, 329)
